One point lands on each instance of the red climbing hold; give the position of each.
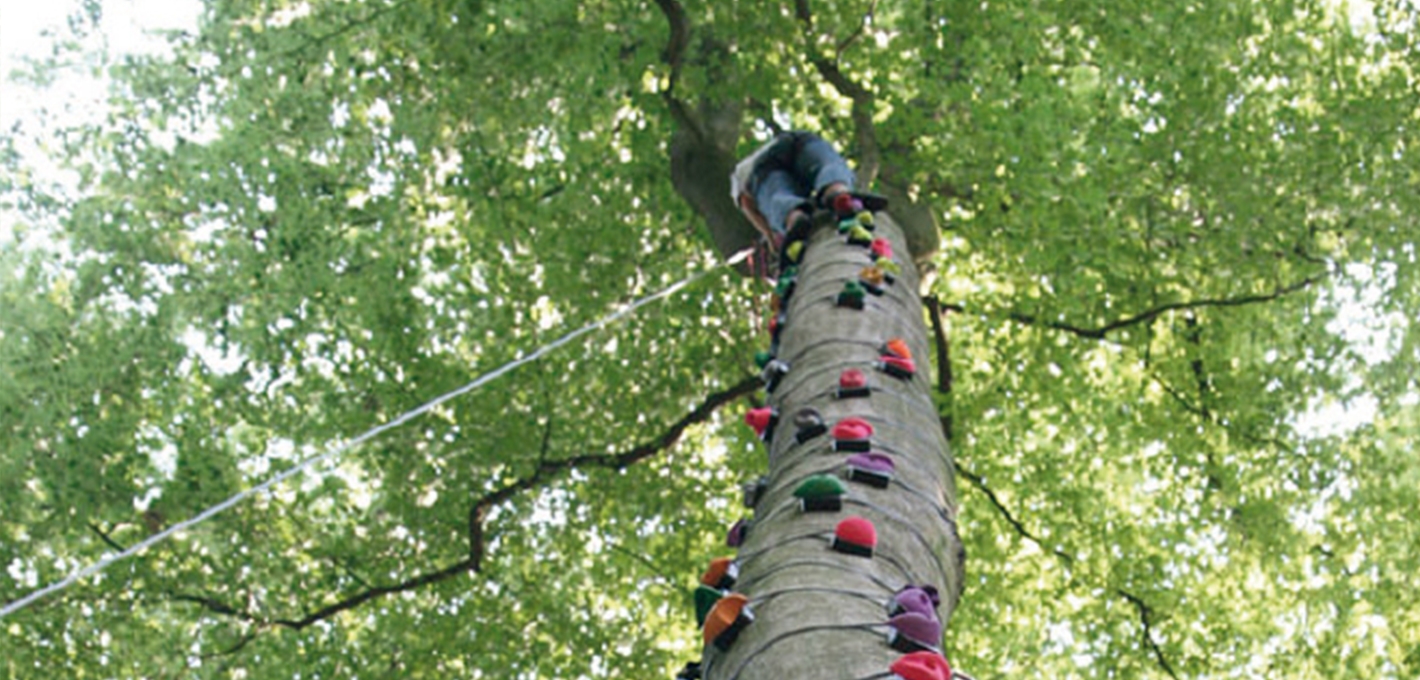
(897, 367)
(762, 419)
(921, 666)
(852, 428)
(855, 536)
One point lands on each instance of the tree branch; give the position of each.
(1020, 528)
(1145, 614)
(674, 56)
(944, 363)
(944, 354)
(1101, 332)
(862, 110)
(546, 470)
(106, 538)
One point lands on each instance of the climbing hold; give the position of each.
(852, 383)
(820, 493)
(735, 537)
(897, 367)
(914, 632)
(873, 469)
(852, 434)
(865, 218)
(871, 274)
(773, 372)
(881, 249)
(722, 573)
(871, 278)
(855, 536)
(705, 599)
(776, 324)
(921, 666)
(891, 269)
(920, 599)
(852, 295)
(846, 224)
(762, 358)
(785, 287)
(809, 424)
(794, 251)
(858, 235)
(752, 490)
(763, 420)
(725, 621)
(898, 348)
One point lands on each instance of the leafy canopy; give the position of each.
(1177, 245)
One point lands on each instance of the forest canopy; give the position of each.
(1175, 299)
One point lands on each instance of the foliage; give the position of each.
(1177, 240)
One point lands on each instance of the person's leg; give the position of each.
(778, 193)
(819, 164)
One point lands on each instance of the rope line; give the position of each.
(108, 560)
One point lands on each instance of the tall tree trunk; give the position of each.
(819, 613)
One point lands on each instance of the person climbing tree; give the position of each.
(781, 184)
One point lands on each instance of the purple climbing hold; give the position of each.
(916, 599)
(873, 469)
(913, 632)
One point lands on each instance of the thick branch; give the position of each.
(862, 110)
(944, 363)
(674, 56)
(545, 471)
(944, 354)
(1145, 614)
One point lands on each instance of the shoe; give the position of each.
(846, 204)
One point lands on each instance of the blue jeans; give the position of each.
(794, 168)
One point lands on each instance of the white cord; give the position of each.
(369, 434)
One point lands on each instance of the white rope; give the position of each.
(369, 434)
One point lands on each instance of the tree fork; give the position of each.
(816, 609)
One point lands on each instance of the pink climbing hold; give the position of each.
(881, 248)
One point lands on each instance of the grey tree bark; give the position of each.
(819, 613)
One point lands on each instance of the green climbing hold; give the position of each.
(860, 236)
(705, 599)
(821, 492)
(762, 358)
(852, 295)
